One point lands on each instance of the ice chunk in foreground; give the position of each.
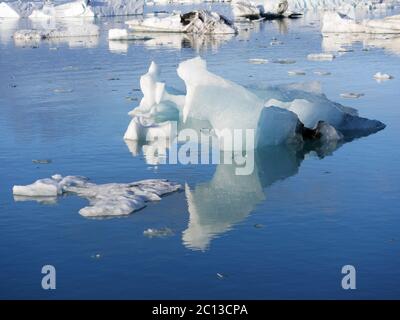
(277, 115)
(112, 199)
(196, 22)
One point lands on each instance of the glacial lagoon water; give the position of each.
(283, 232)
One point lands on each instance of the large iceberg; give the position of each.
(195, 22)
(334, 22)
(277, 115)
(112, 199)
(73, 9)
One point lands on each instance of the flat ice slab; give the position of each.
(112, 199)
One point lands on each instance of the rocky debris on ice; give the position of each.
(267, 10)
(379, 76)
(194, 22)
(321, 56)
(278, 115)
(334, 22)
(112, 199)
(72, 9)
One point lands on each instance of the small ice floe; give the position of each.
(322, 73)
(278, 115)
(194, 22)
(62, 90)
(220, 275)
(382, 76)
(112, 199)
(258, 61)
(158, 233)
(275, 42)
(321, 56)
(41, 161)
(334, 22)
(296, 73)
(284, 61)
(351, 95)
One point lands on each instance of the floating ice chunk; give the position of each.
(258, 61)
(284, 61)
(351, 95)
(321, 56)
(121, 34)
(40, 188)
(322, 73)
(296, 73)
(382, 76)
(245, 8)
(76, 29)
(276, 115)
(158, 233)
(75, 9)
(339, 23)
(111, 199)
(196, 22)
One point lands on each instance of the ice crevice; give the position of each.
(111, 199)
(278, 115)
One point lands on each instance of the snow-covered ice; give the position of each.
(276, 114)
(112, 199)
(196, 22)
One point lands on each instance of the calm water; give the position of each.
(283, 232)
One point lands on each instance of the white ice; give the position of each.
(274, 113)
(321, 56)
(379, 76)
(334, 22)
(196, 22)
(112, 199)
(18, 9)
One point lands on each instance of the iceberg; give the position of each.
(194, 22)
(72, 29)
(18, 9)
(268, 10)
(111, 199)
(277, 115)
(73, 9)
(334, 22)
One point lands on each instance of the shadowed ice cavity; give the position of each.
(227, 199)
